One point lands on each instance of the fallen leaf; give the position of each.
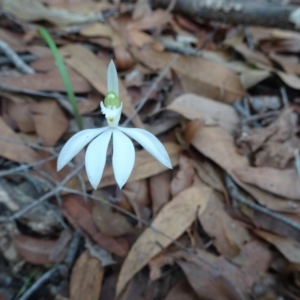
(20, 113)
(184, 177)
(288, 247)
(180, 212)
(195, 74)
(195, 107)
(49, 120)
(291, 80)
(50, 81)
(13, 148)
(31, 11)
(86, 278)
(79, 214)
(284, 183)
(33, 250)
(208, 285)
(159, 190)
(123, 59)
(94, 70)
(218, 145)
(181, 290)
(229, 234)
(145, 165)
(110, 223)
(289, 63)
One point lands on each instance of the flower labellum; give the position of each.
(98, 139)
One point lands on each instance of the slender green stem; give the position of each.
(63, 72)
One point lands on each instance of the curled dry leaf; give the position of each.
(288, 247)
(284, 183)
(13, 148)
(49, 120)
(180, 212)
(229, 234)
(145, 165)
(211, 112)
(33, 250)
(218, 145)
(160, 190)
(79, 214)
(123, 59)
(94, 70)
(86, 278)
(184, 177)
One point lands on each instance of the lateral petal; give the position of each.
(150, 142)
(123, 157)
(75, 144)
(95, 157)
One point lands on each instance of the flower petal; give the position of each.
(123, 157)
(95, 157)
(150, 142)
(75, 144)
(112, 79)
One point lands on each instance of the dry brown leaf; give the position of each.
(208, 285)
(184, 177)
(180, 212)
(49, 120)
(190, 129)
(284, 183)
(13, 148)
(20, 113)
(79, 214)
(229, 234)
(30, 11)
(256, 255)
(288, 247)
(94, 70)
(145, 165)
(110, 223)
(33, 250)
(88, 105)
(218, 145)
(291, 80)
(289, 63)
(181, 290)
(160, 190)
(50, 81)
(197, 75)
(195, 107)
(123, 59)
(86, 278)
(138, 38)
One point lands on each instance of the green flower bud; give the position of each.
(112, 100)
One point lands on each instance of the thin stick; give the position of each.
(236, 195)
(153, 86)
(51, 193)
(15, 58)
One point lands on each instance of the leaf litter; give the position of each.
(222, 224)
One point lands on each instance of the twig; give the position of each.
(51, 193)
(284, 97)
(25, 57)
(153, 86)
(62, 100)
(72, 250)
(236, 195)
(260, 116)
(297, 162)
(44, 278)
(26, 167)
(15, 58)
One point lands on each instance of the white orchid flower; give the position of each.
(123, 150)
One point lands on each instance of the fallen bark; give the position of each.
(238, 12)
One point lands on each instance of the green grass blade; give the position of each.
(63, 72)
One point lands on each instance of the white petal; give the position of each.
(123, 157)
(75, 144)
(95, 157)
(151, 143)
(112, 79)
